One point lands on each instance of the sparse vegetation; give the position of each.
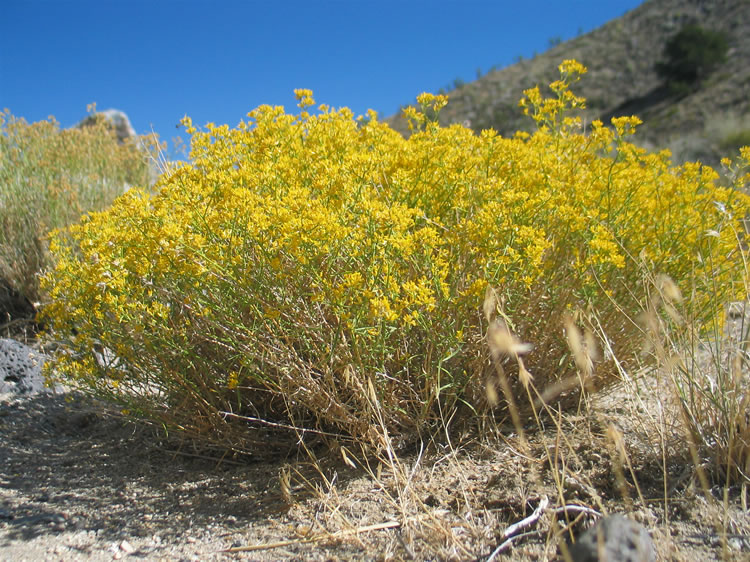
(48, 178)
(622, 57)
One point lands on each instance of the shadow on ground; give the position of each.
(66, 464)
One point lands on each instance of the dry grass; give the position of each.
(522, 486)
(49, 178)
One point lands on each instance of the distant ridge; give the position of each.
(621, 57)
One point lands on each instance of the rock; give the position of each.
(124, 130)
(126, 547)
(614, 539)
(117, 119)
(20, 369)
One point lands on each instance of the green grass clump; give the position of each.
(48, 178)
(314, 272)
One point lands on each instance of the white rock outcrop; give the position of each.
(118, 119)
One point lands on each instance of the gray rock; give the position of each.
(614, 539)
(124, 130)
(118, 119)
(20, 369)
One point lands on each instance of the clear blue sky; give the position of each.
(158, 60)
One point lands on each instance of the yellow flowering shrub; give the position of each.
(322, 272)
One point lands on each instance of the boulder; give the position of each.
(117, 119)
(614, 539)
(20, 369)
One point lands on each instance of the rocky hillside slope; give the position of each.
(622, 80)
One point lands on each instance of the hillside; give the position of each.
(621, 57)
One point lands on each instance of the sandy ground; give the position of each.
(80, 482)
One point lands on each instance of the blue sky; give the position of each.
(158, 60)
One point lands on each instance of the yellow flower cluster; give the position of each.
(320, 254)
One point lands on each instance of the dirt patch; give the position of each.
(79, 482)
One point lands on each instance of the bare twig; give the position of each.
(506, 544)
(316, 538)
(280, 425)
(510, 533)
(513, 532)
(577, 509)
